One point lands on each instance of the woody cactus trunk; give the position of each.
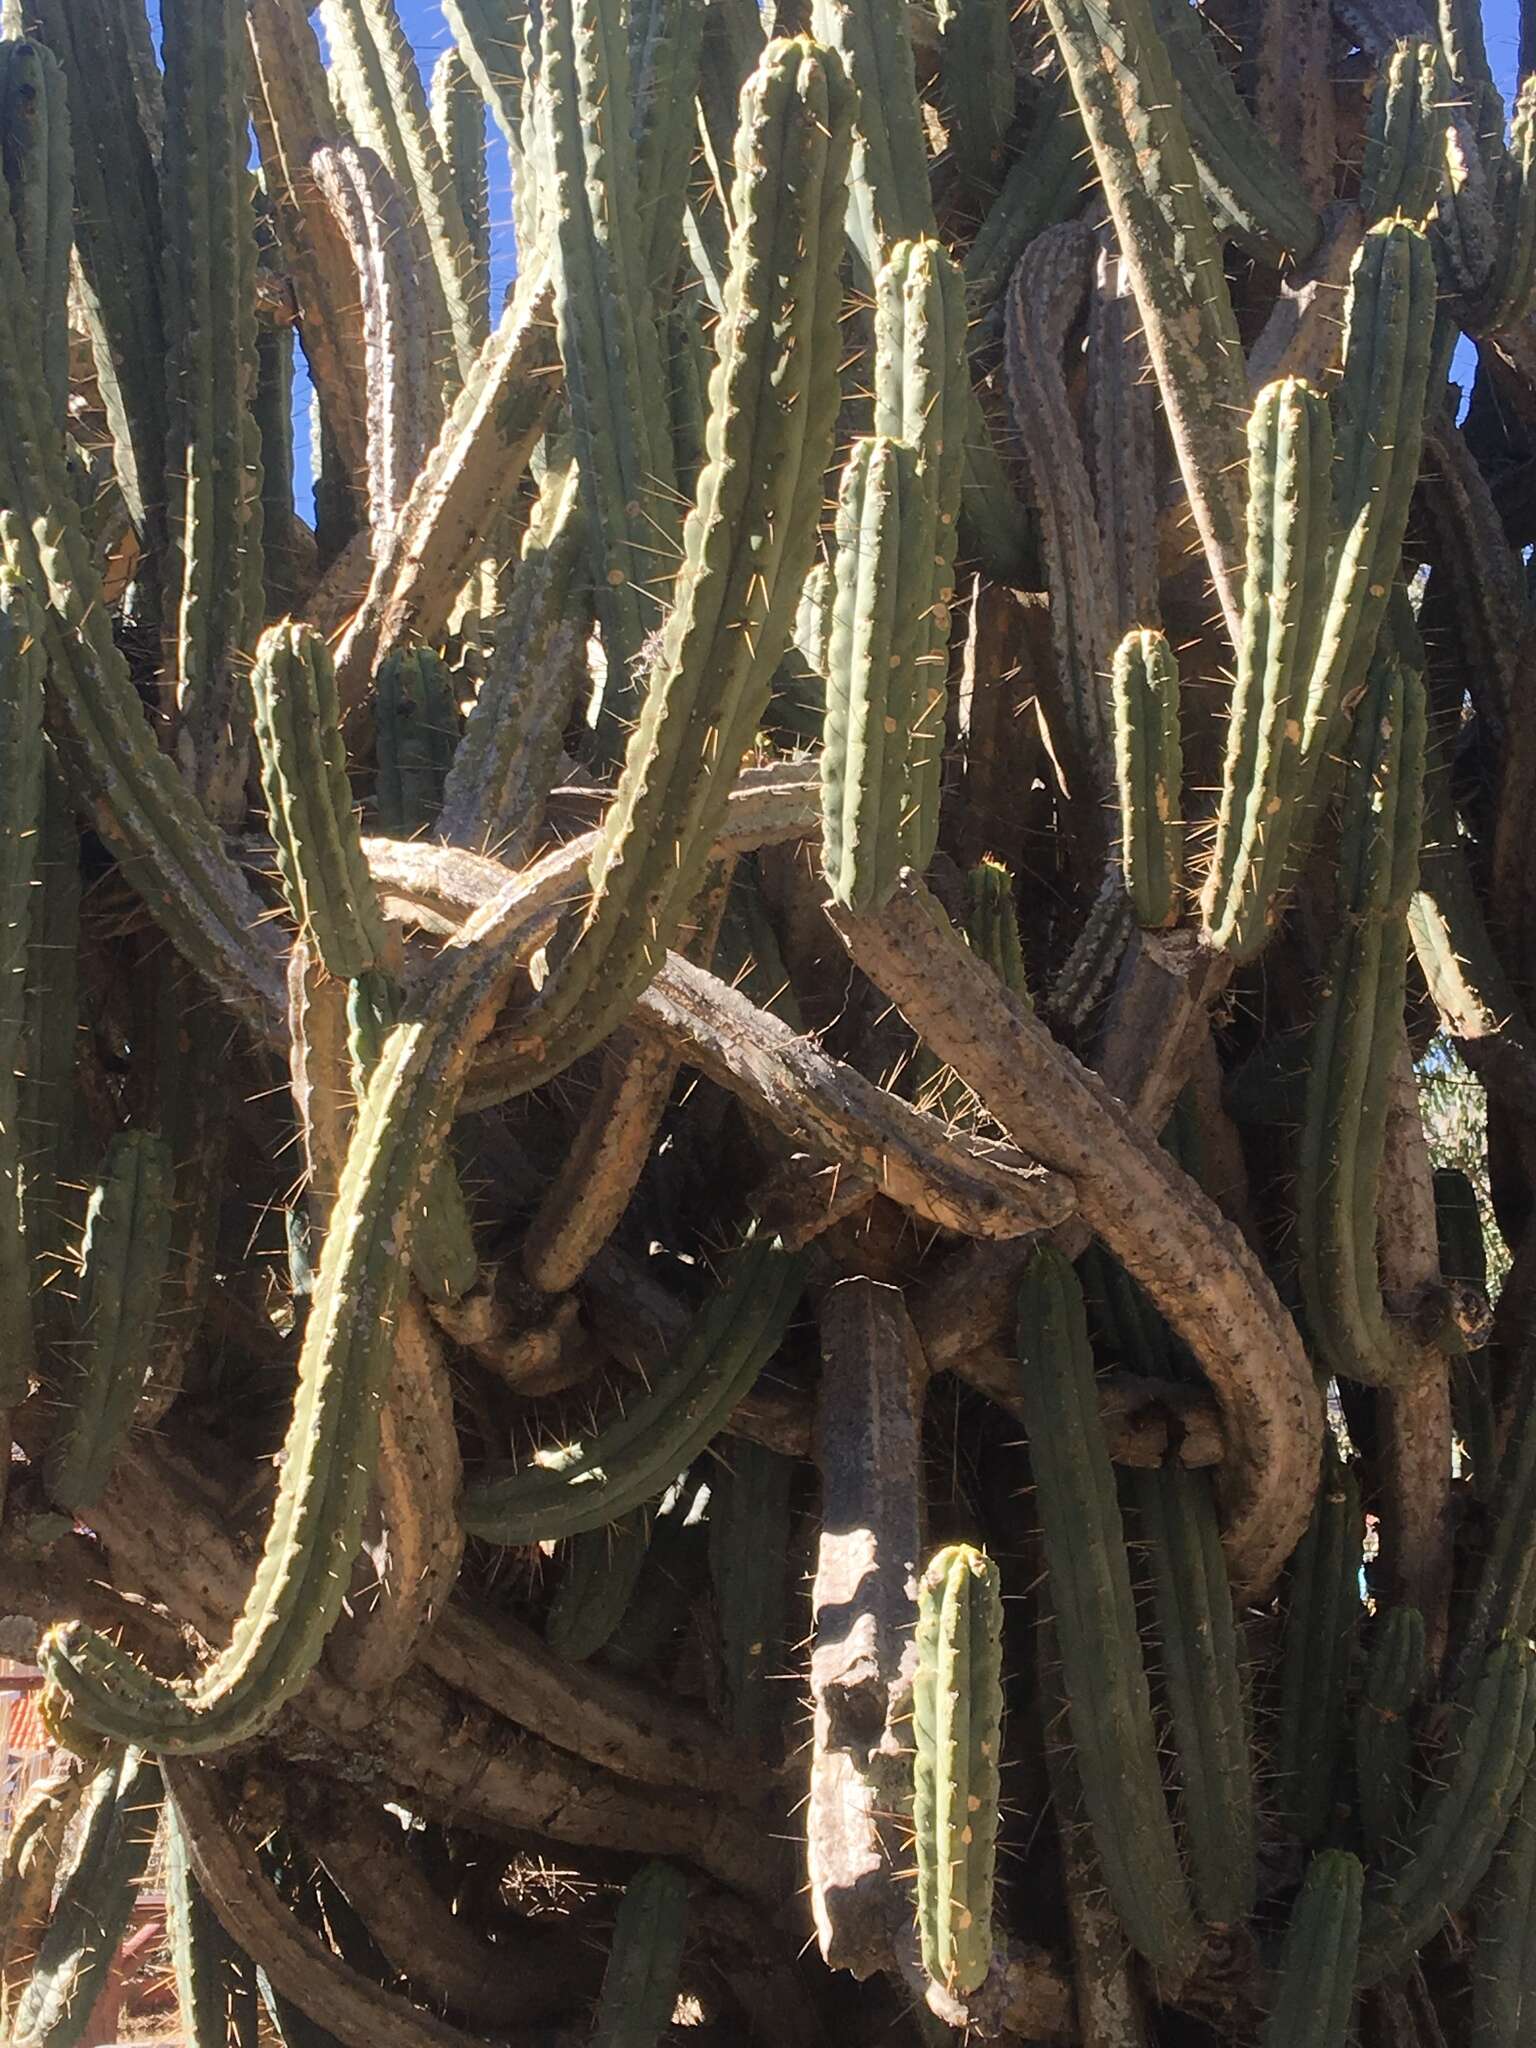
(728, 1297)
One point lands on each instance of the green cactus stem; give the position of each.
(214, 1981)
(214, 579)
(1405, 141)
(1290, 458)
(22, 767)
(596, 1585)
(640, 1980)
(957, 1708)
(1357, 1033)
(1504, 1959)
(416, 729)
(888, 196)
(1149, 773)
(1394, 1680)
(1461, 1819)
(94, 1904)
(1315, 1992)
(976, 66)
(992, 925)
(1108, 1701)
(38, 167)
(457, 109)
(122, 1274)
(632, 1459)
(749, 1552)
(1321, 1617)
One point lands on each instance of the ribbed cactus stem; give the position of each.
(21, 806)
(1149, 774)
(640, 1980)
(957, 1700)
(1315, 1993)
(458, 121)
(1405, 140)
(39, 172)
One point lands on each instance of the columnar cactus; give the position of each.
(553, 1001)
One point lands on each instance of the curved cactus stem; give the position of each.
(632, 1460)
(957, 1708)
(1315, 1996)
(1130, 106)
(122, 1274)
(1102, 1673)
(1149, 772)
(378, 89)
(1195, 1267)
(1461, 1819)
(1043, 186)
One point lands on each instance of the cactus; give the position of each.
(749, 1532)
(1315, 1995)
(215, 1984)
(21, 803)
(1405, 142)
(416, 724)
(1503, 1978)
(1108, 1704)
(1461, 1820)
(956, 1732)
(38, 167)
(631, 1461)
(122, 1272)
(1320, 1623)
(640, 1979)
(1149, 769)
(94, 1902)
(1394, 1680)
(596, 1586)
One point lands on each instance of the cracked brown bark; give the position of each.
(1167, 1234)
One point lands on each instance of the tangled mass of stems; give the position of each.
(716, 1227)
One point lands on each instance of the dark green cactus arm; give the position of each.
(1461, 1819)
(1357, 1034)
(1290, 459)
(1315, 1995)
(1504, 1598)
(458, 121)
(95, 1902)
(507, 760)
(48, 1101)
(206, 1965)
(749, 1554)
(666, 47)
(1130, 106)
(1149, 773)
(309, 802)
(976, 67)
(888, 195)
(957, 1711)
(596, 1585)
(633, 1459)
(21, 806)
(1506, 296)
(213, 600)
(119, 240)
(992, 925)
(416, 727)
(609, 335)
(1504, 1959)
(122, 1272)
(1250, 184)
(1321, 1616)
(640, 1980)
(376, 83)
(1122, 444)
(1044, 185)
(1108, 1701)
(39, 171)
(1394, 1679)
(1044, 302)
(1405, 141)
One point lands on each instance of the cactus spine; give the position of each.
(957, 1733)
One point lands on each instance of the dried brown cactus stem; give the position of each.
(1167, 1235)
